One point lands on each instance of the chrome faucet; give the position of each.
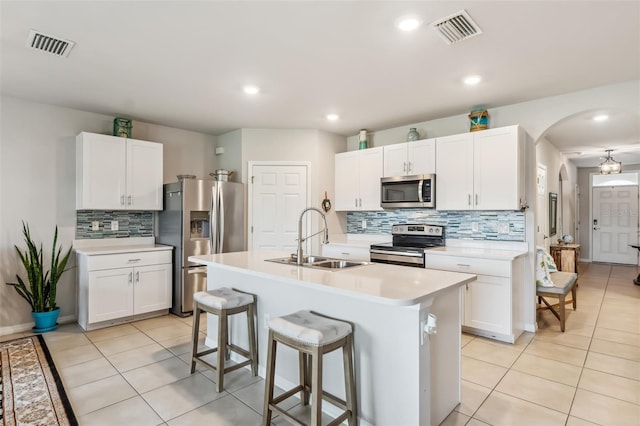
(325, 239)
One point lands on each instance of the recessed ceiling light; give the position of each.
(601, 117)
(251, 90)
(332, 117)
(409, 23)
(472, 80)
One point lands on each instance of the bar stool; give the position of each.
(224, 302)
(312, 335)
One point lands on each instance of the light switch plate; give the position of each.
(114, 225)
(95, 225)
(503, 227)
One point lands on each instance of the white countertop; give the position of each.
(483, 253)
(386, 284)
(99, 250)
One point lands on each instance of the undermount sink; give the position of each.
(319, 262)
(338, 264)
(291, 260)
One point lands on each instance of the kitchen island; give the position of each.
(403, 376)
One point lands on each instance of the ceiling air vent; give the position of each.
(46, 43)
(456, 27)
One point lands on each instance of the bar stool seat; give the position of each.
(224, 302)
(313, 335)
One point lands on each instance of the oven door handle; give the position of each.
(396, 253)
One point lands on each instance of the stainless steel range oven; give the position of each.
(408, 245)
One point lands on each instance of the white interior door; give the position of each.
(278, 196)
(542, 217)
(615, 224)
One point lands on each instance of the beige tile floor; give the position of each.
(138, 373)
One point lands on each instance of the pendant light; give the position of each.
(609, 165)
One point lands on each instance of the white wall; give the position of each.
(536, 116)
(298, 145)
(549, 155)
(304, 145)
(37, 185)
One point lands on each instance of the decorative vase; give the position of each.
(413, 135)
(363, 140)
(478, 120)
(45, 321)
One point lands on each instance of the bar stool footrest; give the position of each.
(286, 415)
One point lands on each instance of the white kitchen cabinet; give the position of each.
(492, 305)
(114, 173)
(481, 170)
(410, 158)
(118, 287)
(357, 179)
(346, 251)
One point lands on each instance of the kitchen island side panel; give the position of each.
(393, 366)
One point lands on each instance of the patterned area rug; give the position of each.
(31, 391)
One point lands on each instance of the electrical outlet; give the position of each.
(267, 318)
(503, 227)
(114, 225)
(475, 227)
(95, 225)
(364, 224)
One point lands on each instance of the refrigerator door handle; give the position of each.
(201, 270)
(221, 220)
(213, 219)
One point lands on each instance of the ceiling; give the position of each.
(183, 63)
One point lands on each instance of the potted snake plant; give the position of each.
(40, 287)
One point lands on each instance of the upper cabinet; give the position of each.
(357, 177)
(481, 170)
(114, 173)
(410, 158)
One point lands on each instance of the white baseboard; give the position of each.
(19, 328)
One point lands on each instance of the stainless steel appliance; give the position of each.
(200, 217)
(408, 245)
(408, 191)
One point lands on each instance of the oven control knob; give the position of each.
(431, 230)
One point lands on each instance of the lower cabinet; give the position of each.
(346, 251)
(492, 306)
(117, 287)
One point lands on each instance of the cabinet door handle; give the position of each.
(360, 202)
(476, 199)
(122, 200)
(463, 265)
(135, 260)
(356, 202)
(410, 167)
(404, 167)
(469, 199)
(138, 276)
(130, 277)
(129, 200)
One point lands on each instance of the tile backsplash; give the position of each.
(471, 225)
(130, 224)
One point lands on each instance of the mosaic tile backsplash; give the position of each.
(130, 224)
(470, 225)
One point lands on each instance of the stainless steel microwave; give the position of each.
(408, 192)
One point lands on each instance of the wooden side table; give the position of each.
(566, 256)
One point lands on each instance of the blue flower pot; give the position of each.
(45, 321)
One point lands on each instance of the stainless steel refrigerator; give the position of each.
(199, 217)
